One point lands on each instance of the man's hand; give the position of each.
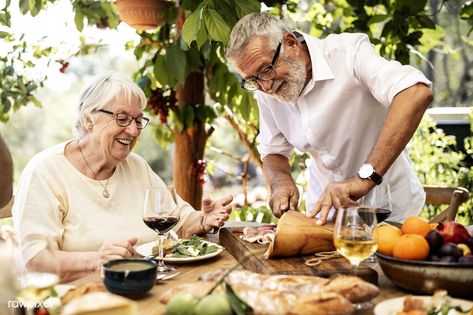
(341, 193)
(284, 197)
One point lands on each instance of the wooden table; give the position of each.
(150, 304)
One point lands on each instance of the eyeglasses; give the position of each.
(265, 74)
(124, 120)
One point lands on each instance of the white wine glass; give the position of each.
(353, 236)
(161, 215)
(36, 287)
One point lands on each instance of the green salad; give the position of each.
(192, 247)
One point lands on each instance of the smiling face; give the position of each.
(116, 142)
(290, 67)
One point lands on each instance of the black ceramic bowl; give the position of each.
(132, 278)
(428, 276)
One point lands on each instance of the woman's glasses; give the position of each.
(124, 120)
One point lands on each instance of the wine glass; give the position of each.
(160, 214)
(353, 236)
(36, 287)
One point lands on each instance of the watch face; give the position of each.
(366, 170)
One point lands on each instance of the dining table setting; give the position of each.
(292, 267)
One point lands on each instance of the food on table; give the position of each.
(297, 234)
(181, 303)
(82, 290)
(288, 294)
(415, 225)
(446, 242)
(262, 234)
(386, 237)
(412, 247)
(440, 304)
(192, 247)
(100, 303)
(213, 304)
(453, 232)
(198, 289)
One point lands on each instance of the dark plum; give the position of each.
(466, 259)
(435, 240)
(450, 249)
(448, 259)
(433, 258)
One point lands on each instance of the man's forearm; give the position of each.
(403, 118)
(276, 170)
(6, 169)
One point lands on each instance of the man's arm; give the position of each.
(6, 169)
(404, 116)
(284, 193)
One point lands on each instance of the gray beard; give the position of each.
(293, 85)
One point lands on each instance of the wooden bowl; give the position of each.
(429, 276)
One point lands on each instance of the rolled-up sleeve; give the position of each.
(384, 78)
(270, 139)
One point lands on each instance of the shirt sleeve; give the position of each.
(37, 214)
(384, 78)
(270, 139)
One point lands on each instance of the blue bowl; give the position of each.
(132, 278)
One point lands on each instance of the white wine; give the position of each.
(355, 250)
(36, 286)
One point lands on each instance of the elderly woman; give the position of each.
(87, 194)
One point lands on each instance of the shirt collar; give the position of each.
(320, 69)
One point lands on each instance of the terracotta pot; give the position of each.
(142, 14)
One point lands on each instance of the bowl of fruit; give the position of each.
(423, 258)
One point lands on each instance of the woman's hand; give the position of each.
(116, 249)
(216, 212)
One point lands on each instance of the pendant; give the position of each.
(105, 193)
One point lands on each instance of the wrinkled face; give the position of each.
(291, 72)
(115, 141)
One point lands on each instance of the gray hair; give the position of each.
(255, 24)
(104, 91)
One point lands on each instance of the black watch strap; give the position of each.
(376, 178)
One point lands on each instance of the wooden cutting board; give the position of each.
(289, 265)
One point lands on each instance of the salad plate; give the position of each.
(395, 305)
(184, 251)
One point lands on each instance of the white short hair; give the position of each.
(103, 91)
(255, 24)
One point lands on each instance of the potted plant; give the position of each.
(142, 14)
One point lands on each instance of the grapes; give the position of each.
(161, 101)
(435, 240)
(450, 249)
(448, 259)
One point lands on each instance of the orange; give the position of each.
(412, 247)
(386, 236)
(415, 225)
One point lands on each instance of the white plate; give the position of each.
(392, 306)
(146, 250)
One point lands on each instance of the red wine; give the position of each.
(382, 214)
(161, 224)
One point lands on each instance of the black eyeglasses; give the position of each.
(124, 120)
(265, 74)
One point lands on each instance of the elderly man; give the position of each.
(335, 98)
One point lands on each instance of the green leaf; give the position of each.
(188, 116)
(239, 306)
(178, 119)
(218, 29)
(192, 26)
(202, 35)
(245, 106)
(176, 63)
(24, 6)
(378, 18)
(161, 72)
(244, 7)
(425, 22)
(79, 21)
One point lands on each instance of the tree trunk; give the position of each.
(189, 144)
(431, 54)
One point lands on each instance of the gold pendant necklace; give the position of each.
(105, 192)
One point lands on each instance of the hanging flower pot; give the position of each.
(142, 14)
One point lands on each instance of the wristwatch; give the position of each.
(367, 171)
